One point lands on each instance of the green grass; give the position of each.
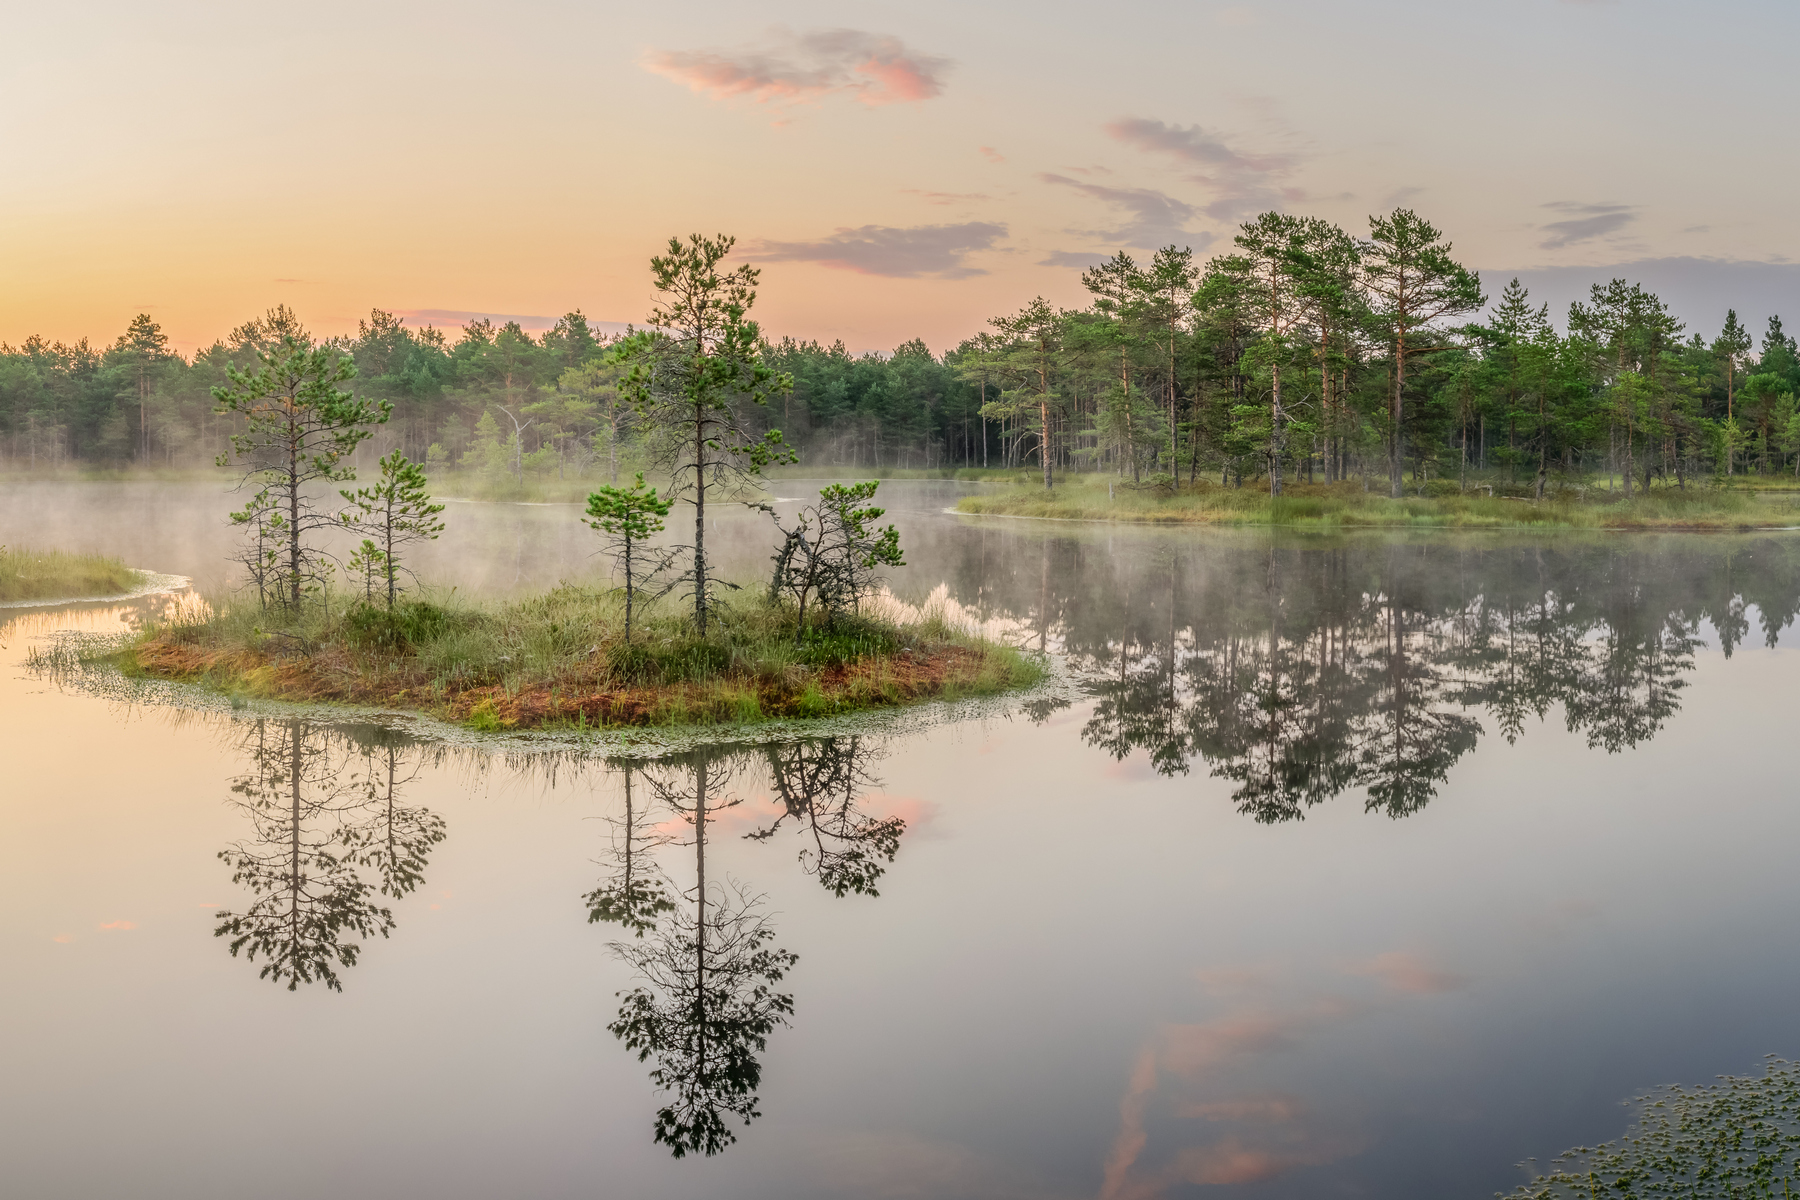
(560, 659)
(1346, 505)
(32, 574)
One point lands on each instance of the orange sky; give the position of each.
(911, 176)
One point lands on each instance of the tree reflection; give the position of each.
(329, 836)
(1298, 669)
(820, 784)
(636, 893)
(706, 999)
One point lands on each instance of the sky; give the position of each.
(895, 170)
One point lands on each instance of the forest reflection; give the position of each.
(329, 838)
(707, 990)
(1299, 670)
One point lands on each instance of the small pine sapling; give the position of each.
(368, 562)
(397, 511)
(627, 518)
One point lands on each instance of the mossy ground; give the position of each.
(1346, 505)
(32, 574)
(559, 660)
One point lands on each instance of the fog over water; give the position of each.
(1364, 866)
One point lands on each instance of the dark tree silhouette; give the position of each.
(318, 824)
(706, 1001)
(819, 783)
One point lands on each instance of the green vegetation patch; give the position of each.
(32, 574)
(560, 660)
(1739, 1137)
(1346, 505)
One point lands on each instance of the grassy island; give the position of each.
(32, 574)
(560, 660)
(1346, 505)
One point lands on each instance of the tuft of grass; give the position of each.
(559, 659)
(1346, 505)
(27, 573)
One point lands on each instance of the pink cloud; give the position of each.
(1191, 1048)
(1269, 1109)
(1405, 972)
(120, 925)
(876, 69)
(991, 154)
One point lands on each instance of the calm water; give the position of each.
(1363, 867)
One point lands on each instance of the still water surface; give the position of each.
(1363, 866)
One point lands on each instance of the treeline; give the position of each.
(1303, 353)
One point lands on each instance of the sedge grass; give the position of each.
(28, 573)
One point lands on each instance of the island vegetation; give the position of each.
(806, 644)
(28, 573)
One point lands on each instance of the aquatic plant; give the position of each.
(1737, 1138)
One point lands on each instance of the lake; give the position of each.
(1361, 865)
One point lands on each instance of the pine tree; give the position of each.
(692, 379)
(627, 518)
(298, 429)
(1408, 267)
(143, 345)
(398, 511)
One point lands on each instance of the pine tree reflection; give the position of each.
(706, 1001)
(318, 824)
(1300, 669)
(637, 893)
(819, 784)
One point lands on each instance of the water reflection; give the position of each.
(329, 837)
(706, 1001)
(1301, 671)
(820, 785)
(707, 996)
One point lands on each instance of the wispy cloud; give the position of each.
(1584, 223)
(945, 197)
(991, 154)
(871, 67)
(1405, 972)
(1242, 183)
(916, 252)
(1149, 218)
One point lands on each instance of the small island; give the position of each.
(560, 661)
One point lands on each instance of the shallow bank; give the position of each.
(1348, 506)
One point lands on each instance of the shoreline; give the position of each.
(1327, 509)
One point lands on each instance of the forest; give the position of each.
(1303, 353)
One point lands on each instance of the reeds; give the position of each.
(28, 573)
